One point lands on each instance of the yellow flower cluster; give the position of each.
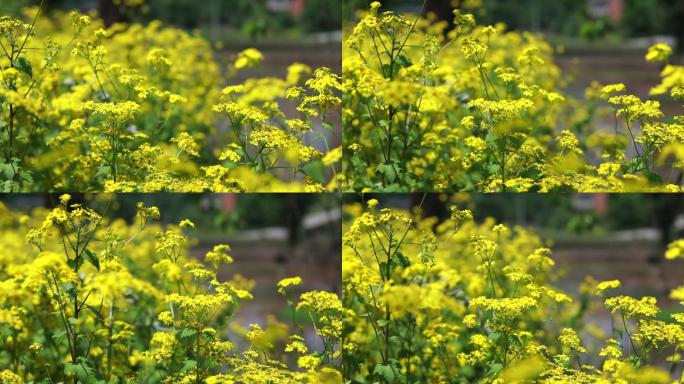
(84, 298)
(431, 108)
(140, 108)
(455, 300)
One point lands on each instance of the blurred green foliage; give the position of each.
(321, 15)
(648, 17)
(252, 18)
(205, 210)
(222, 20)
(12, 7)
(571, 213)
(560, 17)
(267, 210)
(568, 18)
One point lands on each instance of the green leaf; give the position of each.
(81, 370)
(401, 260)
(95, 312)
(635, 360)
(385, 371)
(388, 171)
(59, 335)
(24, 65)
(316, 171)
(188, 365)
(70, 288)
(103, 171)
(357, 163)
(653, 177)
(633, 165)
(404, 61)
(75, 264)
(393, 188)
(9, 169)
(186, 332)
(386, 72)
(495, 369)
(258, 167)
(26, 176)
(383, 267)
(92, 258)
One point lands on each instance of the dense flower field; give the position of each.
(427, 108)
(86, 299)
(460, 302)
(141, 108)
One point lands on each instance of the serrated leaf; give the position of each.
(59, 335)
(404, 61)
(316, 171)
(388, 171)
(495, 369)
(92, 258)
(188, 365)
(186, 332)
(75, 264)
(70, 288)
(103, 171)
(24, 66)
(400, 259)
(81, 370)
(385, 371)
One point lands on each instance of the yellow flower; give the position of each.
(165, 318)
(9, 377)
(296, 344)
(285, 283)
(248, 58)
(218, 255)
(570, 341)
(332, 157)
(470, 321)
(605, 285)
(658, 52)
(64, 199)
(162, 346)
(568, 142)
(185, 223)
(631, 307)
(675, 250)
(186, 144)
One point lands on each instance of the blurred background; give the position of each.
(590, 20)
(286, 31)
(219, 19)
(607, 236)
(307, 31)
(602, 40)
(272, 236)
